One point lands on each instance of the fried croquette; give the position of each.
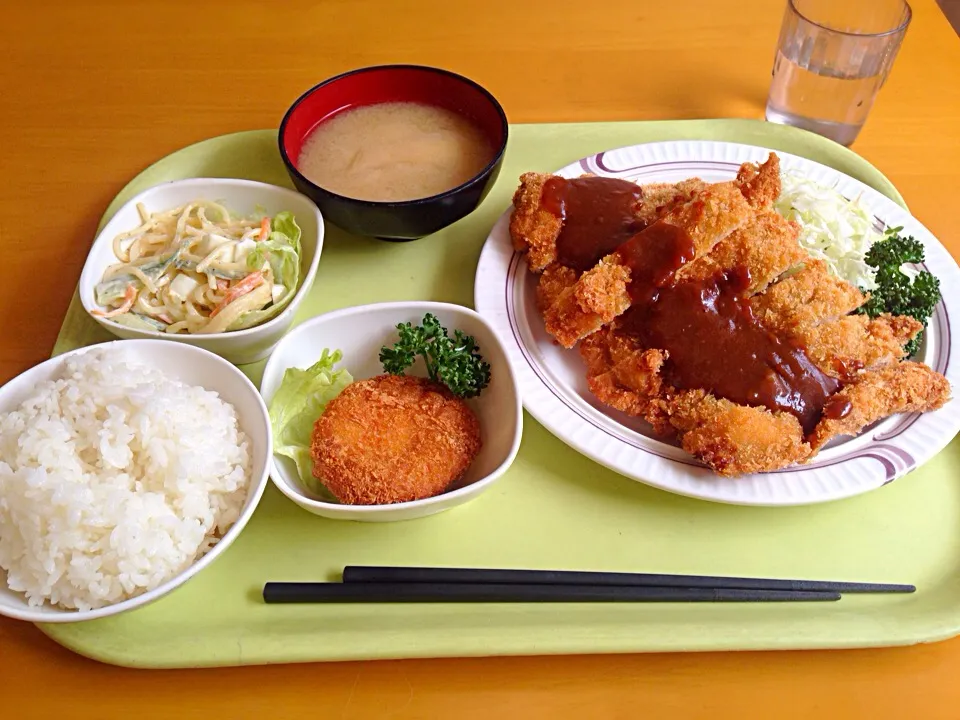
(393, 438)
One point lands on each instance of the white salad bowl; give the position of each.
(190, 365)
(359, 333)
(243, 197)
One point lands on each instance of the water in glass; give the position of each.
(832, 59)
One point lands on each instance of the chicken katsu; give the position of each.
(695, 307)
(601, 230)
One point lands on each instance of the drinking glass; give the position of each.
(832, 58)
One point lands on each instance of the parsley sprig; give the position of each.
(454, 362)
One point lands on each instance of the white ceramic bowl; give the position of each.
(239, 196)
(193, 366)
(359, 332)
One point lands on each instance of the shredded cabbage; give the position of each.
(832, 228)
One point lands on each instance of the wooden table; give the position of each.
(93, 92)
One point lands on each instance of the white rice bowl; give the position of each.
(115, 478)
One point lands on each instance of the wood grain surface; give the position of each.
(93, 92)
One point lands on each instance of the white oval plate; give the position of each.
(553, 382)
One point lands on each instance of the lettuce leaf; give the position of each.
(282, 250)
(301, 399)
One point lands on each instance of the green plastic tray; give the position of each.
(554, 509)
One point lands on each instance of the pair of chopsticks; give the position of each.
(366, 584)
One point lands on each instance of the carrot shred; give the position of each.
(129, 297)
(264, 228)
(250, 282)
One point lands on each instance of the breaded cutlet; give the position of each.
(732, 439)
(766, 247)
(899, 387)
(534, 230)
(602, 293)
(783, 291)
(805, 298)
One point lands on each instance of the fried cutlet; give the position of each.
(392, 439)
(554, 280)
(753, 281)
(810, 296)
(595, 299)
(812, 307)
(901, 387)
(731, 439)
(572, 221)
(735, 439)
(658, 198)
(603, 293)
(535, 230)
(620, 373)
(766, 246)
(849, 345)
(761, 184)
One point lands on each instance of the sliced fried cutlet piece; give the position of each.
(812, 306)
(710, 216)
(572, 221)
(902, 387)
(806, 298)
(847, 346)
(595, 299)
(659, 198)
(603, 292)
(554, 279)
(766, 247)
(760, 184)
(620, 373)
(729, 438)
(533, 228)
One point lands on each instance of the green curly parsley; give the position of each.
(454, 362)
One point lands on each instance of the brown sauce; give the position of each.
(712, 339)
(598, 215)
(837, 408)
(653, 256)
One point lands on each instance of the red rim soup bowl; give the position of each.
(408, 219)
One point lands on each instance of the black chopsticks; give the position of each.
(376, 592)
(365, 584)
(365, 573)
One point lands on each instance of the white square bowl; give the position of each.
(239, 196)
(359, 332)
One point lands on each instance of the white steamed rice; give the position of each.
(113, 479)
